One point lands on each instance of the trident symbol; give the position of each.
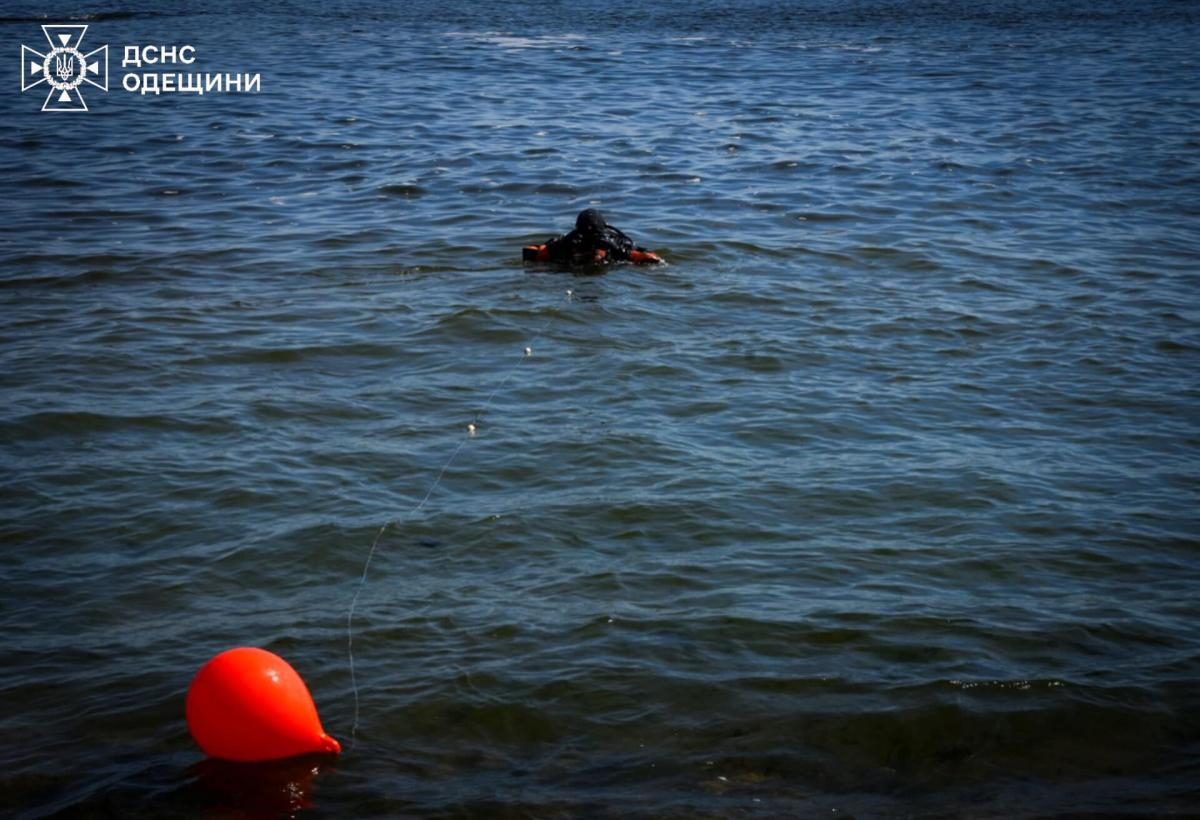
(63, 64)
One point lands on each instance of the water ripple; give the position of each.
(878, 499)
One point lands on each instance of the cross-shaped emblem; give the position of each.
(65, 68)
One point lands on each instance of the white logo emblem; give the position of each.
(65, 68)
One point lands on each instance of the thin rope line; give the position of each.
(362, 581)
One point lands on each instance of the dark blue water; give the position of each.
(880, 500)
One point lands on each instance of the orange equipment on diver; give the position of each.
(541, 253)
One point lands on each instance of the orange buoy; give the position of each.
(249, 705)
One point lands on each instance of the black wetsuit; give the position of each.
(592, 241)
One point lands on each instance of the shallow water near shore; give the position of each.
(881, 499)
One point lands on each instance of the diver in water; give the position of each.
(593, 242)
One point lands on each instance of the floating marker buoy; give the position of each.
(249, 705)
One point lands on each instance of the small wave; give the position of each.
(93, 17)
(291, 355)
(1174, 346)
(82, 423)
(825, 216)
(519, 42)
(904, 259)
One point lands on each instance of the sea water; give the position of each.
(880, 499)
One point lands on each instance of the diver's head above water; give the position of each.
(590, 223)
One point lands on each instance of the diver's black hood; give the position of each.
(590, 222)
